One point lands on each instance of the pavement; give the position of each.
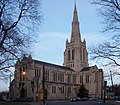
(36, 103)
(107, 103)
(113, 102)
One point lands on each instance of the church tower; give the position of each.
(75, 55)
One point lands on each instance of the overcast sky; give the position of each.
(56, 28)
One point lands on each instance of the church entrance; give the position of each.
(22, 92)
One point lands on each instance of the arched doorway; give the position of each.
(22, 92)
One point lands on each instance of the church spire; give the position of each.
(75, 34)
(75, 55)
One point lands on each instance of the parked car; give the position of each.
(75, 99)
(94, 98)
(116, 98)
(84, 99)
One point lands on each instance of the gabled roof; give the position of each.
(85, 69)
(88, 68)
(52, 65)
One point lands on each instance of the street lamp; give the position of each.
(24, 73)
(111, 81)
(10, 86)
(105, 84)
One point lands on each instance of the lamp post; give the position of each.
(10, 86)
(105, 84)
(32, 86)
(36, 81)
(111, 81)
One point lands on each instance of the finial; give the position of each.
(75, 1)
(67, 41)
(75, 6)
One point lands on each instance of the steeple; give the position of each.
(75, 34)
(75, 55)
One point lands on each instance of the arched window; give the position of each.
(81, 79)
(84, 54)
(80, 53)
(69, 55)
(73, 54)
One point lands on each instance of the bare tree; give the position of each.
(19, 20)
(108, 51)
(109, 10)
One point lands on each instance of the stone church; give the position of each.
(59, 82)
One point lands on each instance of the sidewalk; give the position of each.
(36, 103)
(107, 103)
(118, 101)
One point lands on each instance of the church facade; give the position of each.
(59, 82)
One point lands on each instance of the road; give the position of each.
(64, 102)
(75, 103)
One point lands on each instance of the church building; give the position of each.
(32, 76)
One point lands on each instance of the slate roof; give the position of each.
(86, 69)
(52, 65)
